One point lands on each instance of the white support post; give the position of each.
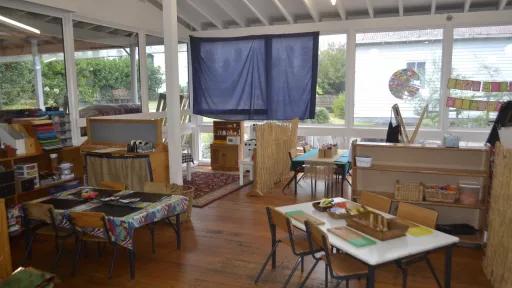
(133, 73)
(170, 22)
(144, 76)
(350, 79)
(72, 87)
(446, 71)
(38, 80)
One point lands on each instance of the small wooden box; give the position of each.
(361, 222)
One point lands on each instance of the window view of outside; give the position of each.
(480, 54)
(330, 92)
(204, 145)
(156, 71)
(32, 73)
(107, 68)
(378, 56)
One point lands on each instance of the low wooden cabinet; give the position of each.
(224, 157)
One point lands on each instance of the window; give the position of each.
(204, 146)
(32, 72)
(155, 52)
(480, 54)
(378, 56)
(330, 92)
(106, 67)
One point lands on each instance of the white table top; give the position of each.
(383, 251)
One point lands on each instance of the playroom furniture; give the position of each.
(398, 168)
(227, 147)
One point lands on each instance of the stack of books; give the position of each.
(46, 134)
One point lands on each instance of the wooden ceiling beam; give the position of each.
(313, 11)
(433, 7)
(187, 20)
(502, 4)
(369, 5)
(258, 14)
(204, 12)
(285, 12)
(341, 9)
(467, 5)
(231, 11)
(401, 8)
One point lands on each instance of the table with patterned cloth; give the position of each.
(122, 228)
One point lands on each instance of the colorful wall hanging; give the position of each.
(476, 105)
(477, 86)
(404, 83)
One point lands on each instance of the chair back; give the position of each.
(38, 211)
(278, 220)
(417, 214)
(375, 201)
(95, 220)
(292, 153)
(306, 148)
(156, 187)
(112, 185)
(318, 239)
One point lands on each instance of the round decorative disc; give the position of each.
(404, 83)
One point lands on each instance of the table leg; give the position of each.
(131, 256)
(178, 231)
(295, 181)
(448, 267)
(189, 171)
(241, 174)
(371, 277)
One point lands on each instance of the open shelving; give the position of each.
(428, 164)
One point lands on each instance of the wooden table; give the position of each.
(383, 251)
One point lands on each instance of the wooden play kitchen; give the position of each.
(227, 147)
(453, 181)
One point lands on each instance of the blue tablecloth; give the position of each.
(299, 160)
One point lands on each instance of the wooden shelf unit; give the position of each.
(42, 158)
(225, 156)
(429, 165)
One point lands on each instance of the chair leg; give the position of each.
(77, 256)
(431, 267)
(98, 249)
(266, 262)
(152, 233)
(178, 231)
(404, 277)
(131, 256)
(326, 276)
(292, 272)
(114, 256)
(60, 248)
(28, 249)
(309, 273)
(301, 264)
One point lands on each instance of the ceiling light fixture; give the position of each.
(333, 2)
(18, 25)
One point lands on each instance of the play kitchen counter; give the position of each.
(453, 181)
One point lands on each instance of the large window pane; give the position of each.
(480, 54)
(32, 73)
(378, 56)
(107, 68)
(156, 71)
(330, 93)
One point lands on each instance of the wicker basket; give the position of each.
(187, 191)
(409, 191)
(434, 194)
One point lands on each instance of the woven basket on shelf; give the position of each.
(409, 191)
(434, 194)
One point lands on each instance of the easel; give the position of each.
(404, 136)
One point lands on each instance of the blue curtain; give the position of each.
(267, 77)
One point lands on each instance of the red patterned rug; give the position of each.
(210, 186)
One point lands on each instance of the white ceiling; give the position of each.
(224, 14)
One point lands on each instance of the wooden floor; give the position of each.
(224, 246)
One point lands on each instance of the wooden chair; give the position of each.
(279, 222)
(39, 219)
(113, 185)
(83, 221)
(156, 187)
(375, 201)
(424, 217)
(292, 154)
(340, 267)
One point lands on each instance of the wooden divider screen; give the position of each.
(272, 164)
(498, 259)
